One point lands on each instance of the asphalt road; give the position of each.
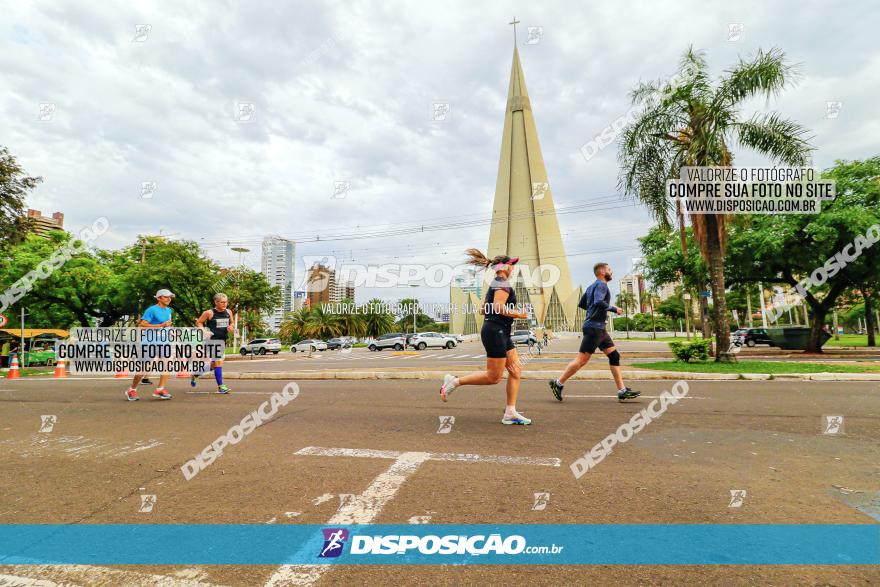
(764, 437)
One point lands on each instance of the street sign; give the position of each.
(705, 294)
(3, 320)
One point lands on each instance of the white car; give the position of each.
(309, 345)
(423, 340)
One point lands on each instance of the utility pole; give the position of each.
(749, 304)
(21, 348)
(763, 306)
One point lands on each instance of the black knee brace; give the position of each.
(614, 359)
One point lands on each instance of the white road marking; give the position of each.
(640, 397)
(478, 356)
(68, 575)
(364, 508)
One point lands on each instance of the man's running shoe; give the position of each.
(161, 393)
(556, 389)
(446, 389)
(146, 381)
(131, 394)
(627, 393)
(223, 389)
(192, 380)
(516, 419)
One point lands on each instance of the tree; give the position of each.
(761, 251)
(693, 123)
(405, 321)
(377, 319)
(14, 186)
(672, 308)
(73, 292)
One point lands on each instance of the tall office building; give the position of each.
(277, 266)
(324, 285)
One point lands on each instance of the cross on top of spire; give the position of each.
(514, 22)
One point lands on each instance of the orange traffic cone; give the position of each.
(124, 374)
(183, 374)
(60, 371)
(13, 369)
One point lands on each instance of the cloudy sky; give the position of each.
(152, 92)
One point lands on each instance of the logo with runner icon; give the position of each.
(334, 541)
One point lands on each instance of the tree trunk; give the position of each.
(869, 318)
(704, 313)
(818, 321)
(716, 274)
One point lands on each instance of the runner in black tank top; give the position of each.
(499, 308)
(218, 322)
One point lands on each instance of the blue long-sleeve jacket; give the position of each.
(596, 302)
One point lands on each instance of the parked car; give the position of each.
(423, 340)
(523, 337)
(395, 340)
(309, 344)
(751, 336)
(336, 343)
(261, 346)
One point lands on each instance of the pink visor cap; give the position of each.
(506, 266)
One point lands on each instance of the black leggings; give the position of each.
(496, 340)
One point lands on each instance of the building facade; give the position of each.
(42, 224)
(524, 225)
(277, 266)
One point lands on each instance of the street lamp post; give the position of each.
(687, 313)
(415, 311)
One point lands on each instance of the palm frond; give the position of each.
(780, 138)
(767, 73)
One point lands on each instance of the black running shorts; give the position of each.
(496, 340)
(595, 337)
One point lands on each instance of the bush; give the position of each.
(685, 351)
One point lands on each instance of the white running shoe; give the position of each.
(447, 388)
(517, 419)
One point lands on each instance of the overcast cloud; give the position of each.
(343, 92)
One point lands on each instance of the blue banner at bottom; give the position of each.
(518, 544)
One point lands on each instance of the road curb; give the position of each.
(531, 375)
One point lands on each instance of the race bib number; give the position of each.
(222, 322)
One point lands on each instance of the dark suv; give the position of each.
(751, 336)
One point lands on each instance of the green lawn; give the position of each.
(761, 367)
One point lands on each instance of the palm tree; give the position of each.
(377, 321)
(692, 123)
(293, 326)
(324, 324)
(624, 300)
(353, 323)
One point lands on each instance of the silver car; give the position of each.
(523, 337)
(423, 340)
(261, 346)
